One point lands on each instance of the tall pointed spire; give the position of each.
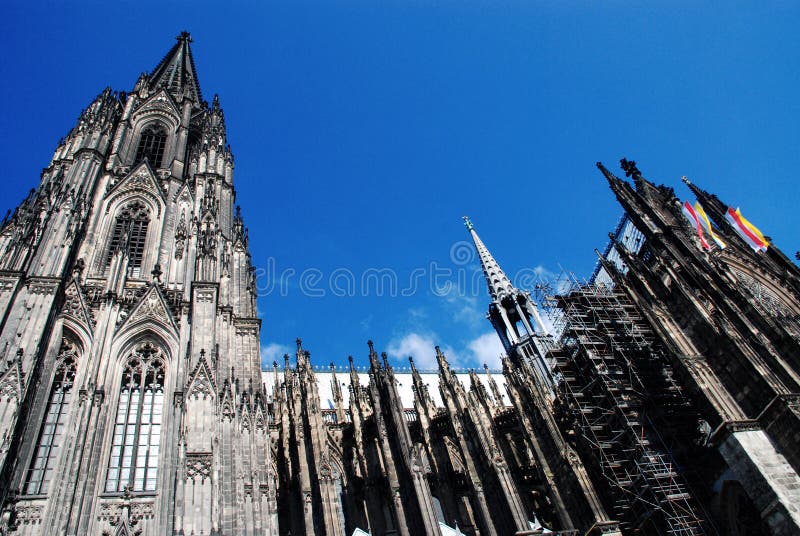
(512, 312)
(176, 72)
(496, 279)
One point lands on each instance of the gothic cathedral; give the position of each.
(660, 398)
(129, 329)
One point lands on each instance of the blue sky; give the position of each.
(363, 131)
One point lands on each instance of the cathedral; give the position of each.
(662, 397)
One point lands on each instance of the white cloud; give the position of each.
(422, 348)
(366, 323)
(543, 272)
(464, 309)
(486, 349)
(273, 352)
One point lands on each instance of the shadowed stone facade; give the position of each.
(132, 395)
(132, 400)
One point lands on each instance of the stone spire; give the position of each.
(176, 72)
(512, 311)
(496, 279)
(712, 205)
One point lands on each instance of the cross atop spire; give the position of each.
(176, 72)
(496, 279)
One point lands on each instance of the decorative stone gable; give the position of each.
(160, 104)
(152, 307)
(75, 306)
(201, 382)
(140, 180)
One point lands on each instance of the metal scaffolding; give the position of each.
(612, 385)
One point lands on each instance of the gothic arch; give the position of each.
(335, 460)
(145, 331)
(124, 345)
(145, 202)
(140, 181)
(159, 105)
(150, 315)
(57, 404)
(746, 272)
(80, 332)
(454, 453)
(158, 110)
(151, 144)
(139, 377)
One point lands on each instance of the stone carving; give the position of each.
(629, 167)
(27, 514)
(198, 466)
(180, 236)
(151, 307)
(127, 511)
(201, 383)
(40, 286)
(769, 302)
(7, 284)
(75, 307)
(11, 379)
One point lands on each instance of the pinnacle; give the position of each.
(499, 284)
(176, 71)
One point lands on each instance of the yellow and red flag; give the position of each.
(706, 224)
(747, 230)
(691, 215)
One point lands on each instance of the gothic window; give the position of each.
(130, 233)
(137, 429)
(151, 145)
(770, 304)
(51, 434)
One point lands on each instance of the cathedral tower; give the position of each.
(572, 500)
(131, 379)
(729, 317)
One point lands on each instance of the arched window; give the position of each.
(151, 145)
(130, 233)
(51, 434)
(137, 429)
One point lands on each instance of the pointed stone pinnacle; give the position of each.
(498, 282)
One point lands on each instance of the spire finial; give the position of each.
(686, 180)
(498, 282)
(176, 72)
(630, 169)
(440, 357)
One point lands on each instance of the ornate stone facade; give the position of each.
(132, 400)
(131, 367)
(727, 318)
